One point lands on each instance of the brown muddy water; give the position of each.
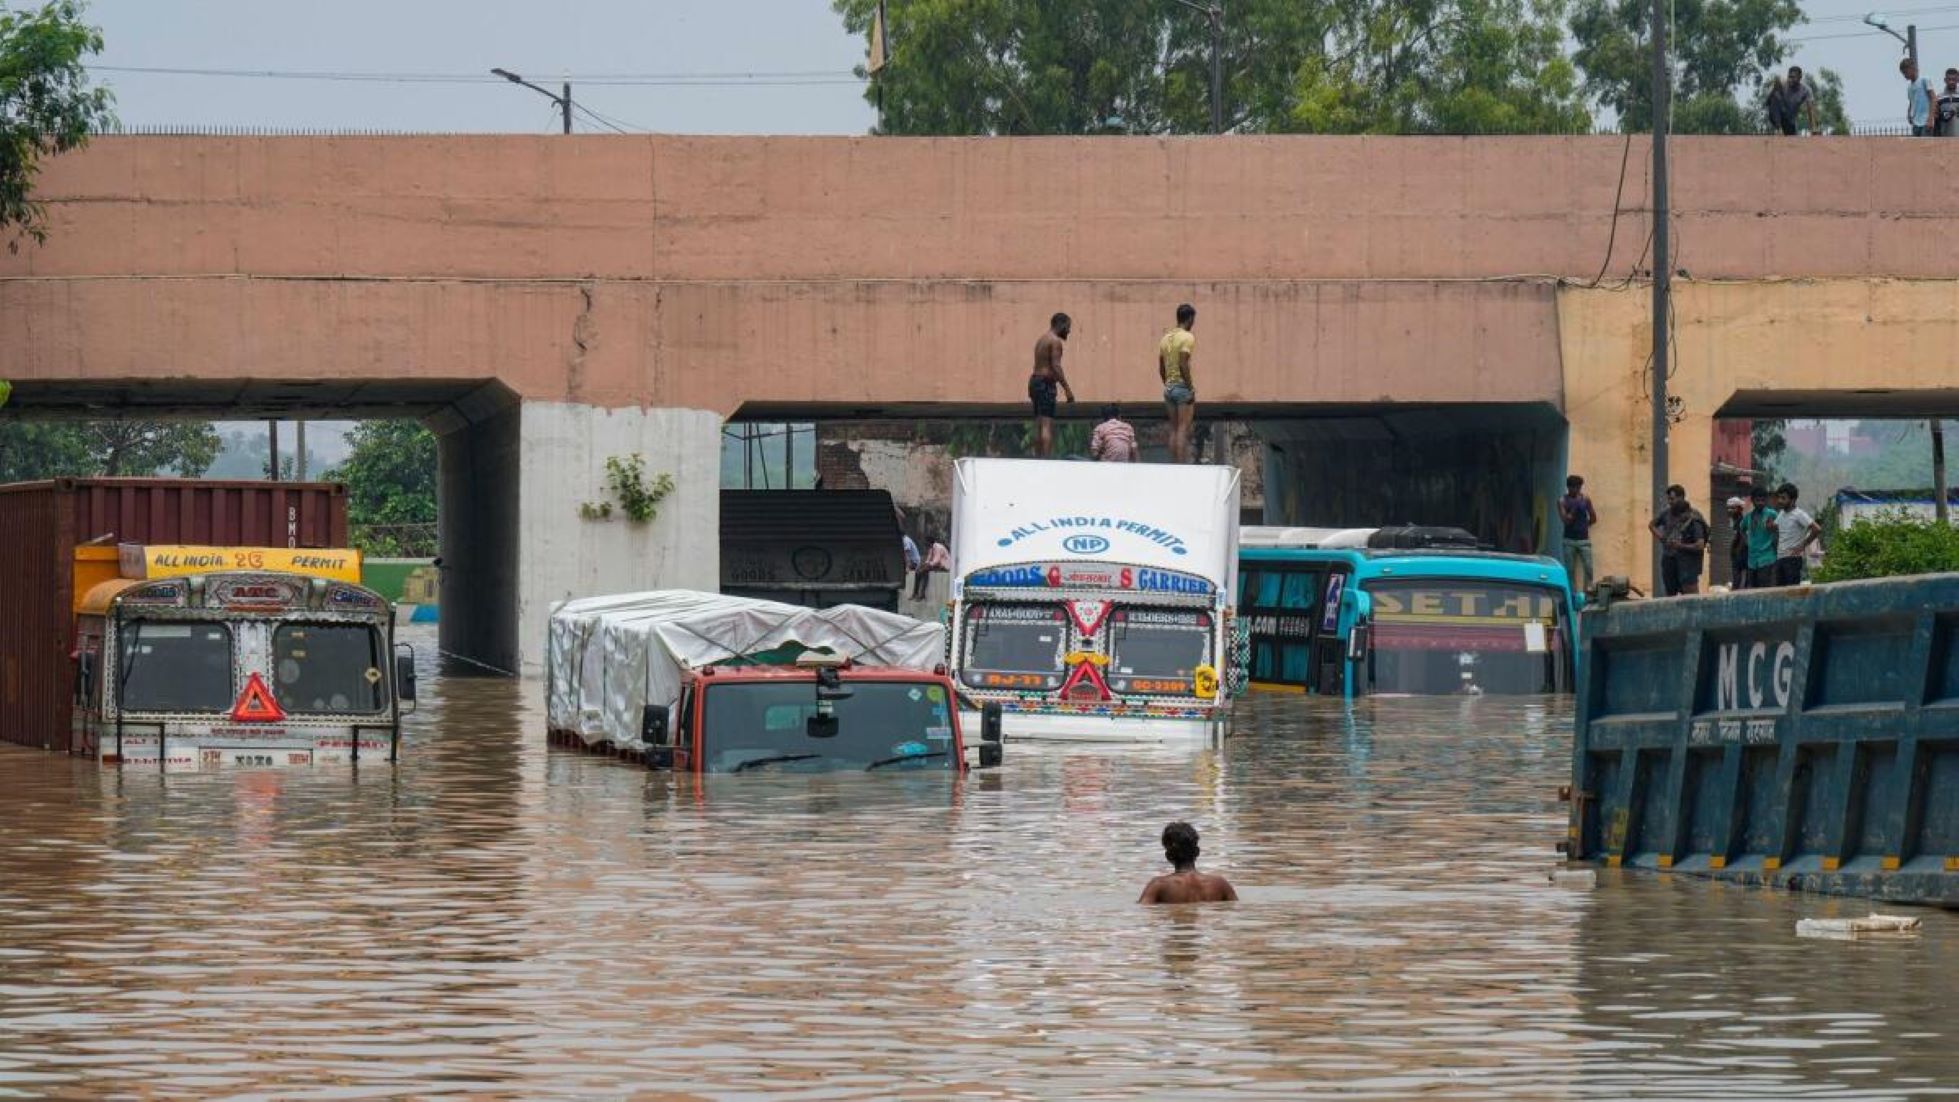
(495, 918)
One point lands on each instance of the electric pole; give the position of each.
(1662, 269)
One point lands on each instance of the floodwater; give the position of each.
(496, 918)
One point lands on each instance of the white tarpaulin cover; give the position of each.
(1173, 517)
(607, 657)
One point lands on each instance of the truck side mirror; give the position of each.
(653, 725)
(405, 677)
(992, 718)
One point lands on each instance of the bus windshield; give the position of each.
(1453, 635)
(891, 724)
(1014, 646)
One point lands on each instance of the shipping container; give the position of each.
(1803, 737)
(43, 523)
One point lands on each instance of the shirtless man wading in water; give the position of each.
(1186, 885)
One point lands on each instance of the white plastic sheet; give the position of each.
(608, 657)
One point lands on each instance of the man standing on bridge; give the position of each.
(1173, 356)
(1047, 376)
(1682, 533)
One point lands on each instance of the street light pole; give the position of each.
(1662, 269)
(1214, 15)
(563, 101)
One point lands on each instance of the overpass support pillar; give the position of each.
(516, 541)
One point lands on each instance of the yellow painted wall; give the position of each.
(1818, 337)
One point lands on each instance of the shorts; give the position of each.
(1178, 394)
(1679, 571)
(1041, 391)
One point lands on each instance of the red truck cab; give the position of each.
(819, 715)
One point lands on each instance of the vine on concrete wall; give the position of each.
(638, 499)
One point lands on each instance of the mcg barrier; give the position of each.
(1806, 738)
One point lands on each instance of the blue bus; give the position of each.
(1401, 611)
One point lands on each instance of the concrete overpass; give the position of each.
(548, 302)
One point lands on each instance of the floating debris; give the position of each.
(1848, 929)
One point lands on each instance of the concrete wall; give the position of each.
(562, 554)
(1824, 347)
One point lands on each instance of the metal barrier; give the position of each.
(1806, 738)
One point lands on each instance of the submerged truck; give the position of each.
(155, 622)
(1093, 601)
(708, 683)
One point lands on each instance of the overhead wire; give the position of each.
(679, 79)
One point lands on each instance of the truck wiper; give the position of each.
(771, 760)
(905, 757)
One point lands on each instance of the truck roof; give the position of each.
(808, 673)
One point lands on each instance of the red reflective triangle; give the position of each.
(255, 704)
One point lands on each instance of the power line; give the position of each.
(796, 77)
(1859, 34)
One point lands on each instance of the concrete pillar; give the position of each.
(561, 465)
(478, 472)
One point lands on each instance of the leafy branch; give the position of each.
(639, 499)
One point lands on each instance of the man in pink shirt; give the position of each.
(937, 558)
(1114, 441)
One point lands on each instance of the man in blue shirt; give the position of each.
(1758, 531)
(1918, 100)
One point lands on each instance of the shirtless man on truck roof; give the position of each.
(1186, 885)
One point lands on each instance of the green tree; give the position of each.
(1891, 544)
(390, 474)
(84, 449)
(1143, 66)
(1726, 54)
(1767, 443)
(46, 104)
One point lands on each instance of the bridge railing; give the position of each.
(1804, 737)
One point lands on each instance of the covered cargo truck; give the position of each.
(1093, 601)
(42, 524)
(710, 683)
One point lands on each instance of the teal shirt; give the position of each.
(1761, 538)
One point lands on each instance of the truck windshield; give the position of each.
(169, 666)
(1014, 646)
(330, 668)
(905, 723)
(1447, 635)
(1157, 650)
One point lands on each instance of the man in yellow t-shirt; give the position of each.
(1173, 360)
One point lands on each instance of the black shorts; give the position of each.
(1041, 391)
(1677, 571)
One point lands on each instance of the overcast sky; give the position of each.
(591, 38)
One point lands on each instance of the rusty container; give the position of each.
(41, 524)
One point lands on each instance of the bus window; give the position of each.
(328, 668)
(174, 667)
(1450, 635)
(1282, 609)
(1014, 646)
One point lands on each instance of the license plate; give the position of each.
(254, 758)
